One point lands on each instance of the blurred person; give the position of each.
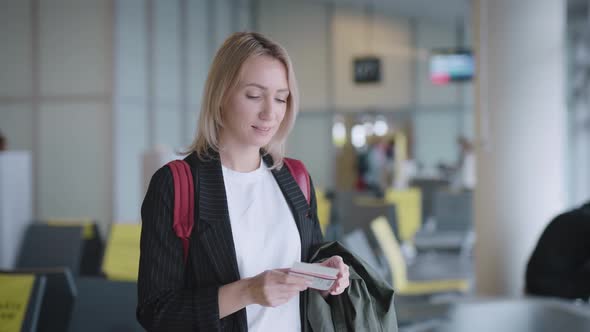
(462, 173)
(376, 166)
(362, 166)
(2, 142)
(390, 160)
(560, 263)
(247, 228)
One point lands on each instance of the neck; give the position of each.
(239, 158)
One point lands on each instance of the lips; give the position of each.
(262, 129)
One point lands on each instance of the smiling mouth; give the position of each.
(263, 129)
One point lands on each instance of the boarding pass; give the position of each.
(321, 277)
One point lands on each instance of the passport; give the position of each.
(322, 277)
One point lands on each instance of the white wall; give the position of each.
(198, 59)
(308, 45)
(387, 37)
(15, 58)
(521, 166)
(16, 109)
(74, 157)
(73, 160)
(83, 26)
(55, 101)
(131, 106)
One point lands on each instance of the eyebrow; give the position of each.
(262, 87)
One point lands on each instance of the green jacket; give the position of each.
(366, 305)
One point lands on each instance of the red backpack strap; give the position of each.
(301, 176)
(184, 202)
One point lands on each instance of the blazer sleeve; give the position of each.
(164, 303)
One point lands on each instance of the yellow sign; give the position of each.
(15, 291)
(121, 259)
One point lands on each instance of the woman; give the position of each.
(252, 221)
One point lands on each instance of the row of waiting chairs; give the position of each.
(78, 246)
(54, 300)
(71, 281)
(448, 210)
(386, 257)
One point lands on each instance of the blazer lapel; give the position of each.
(213, 227)
(298, 204)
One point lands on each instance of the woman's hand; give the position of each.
(342, 281)
(273, 288)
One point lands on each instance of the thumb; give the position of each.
(334, 260)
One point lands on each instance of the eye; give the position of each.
(252, 97)
(282, 101)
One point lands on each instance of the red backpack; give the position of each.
(184, 195)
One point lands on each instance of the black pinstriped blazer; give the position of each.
(173, 296)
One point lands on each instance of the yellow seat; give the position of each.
(324, 205)
(408, 205)
(388, 243)
(121, 258)
(86, 223)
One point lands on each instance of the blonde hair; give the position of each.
(223, 77)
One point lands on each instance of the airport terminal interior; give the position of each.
(448, 143)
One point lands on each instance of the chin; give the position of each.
(262, 141)
(256, 143)
(260, 145)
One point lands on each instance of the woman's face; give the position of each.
(255, 109)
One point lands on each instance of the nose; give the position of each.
(267, 110)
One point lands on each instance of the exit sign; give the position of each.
(367, 70)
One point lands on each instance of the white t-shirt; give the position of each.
(265, 237)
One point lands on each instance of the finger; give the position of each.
(344, 282)
(334, 287)
(292, 288)
(339, 286)
(345, 276)
(291, 279)
(333, 261)
(289, 293)
(344, 285)
(299, 288)
(336, 291)
(284, 277)
(343, 273)
(343, 268)
(339, 289)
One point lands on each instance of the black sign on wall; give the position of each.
(367, 70)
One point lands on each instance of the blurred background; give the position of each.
(443, 138)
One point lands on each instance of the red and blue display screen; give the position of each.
(449, 66)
